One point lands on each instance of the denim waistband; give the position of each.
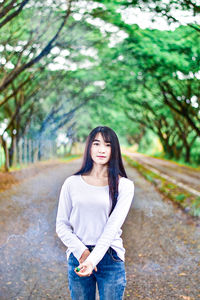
(91, 247)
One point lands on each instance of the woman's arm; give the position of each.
(63, 227)
(114, 223)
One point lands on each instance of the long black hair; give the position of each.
(115, 164)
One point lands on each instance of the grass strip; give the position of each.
(21, 172)
(70, 157)
(189, 202)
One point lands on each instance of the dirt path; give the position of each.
(186, 175)
(163, 251)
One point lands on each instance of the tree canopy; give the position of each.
(67, 66)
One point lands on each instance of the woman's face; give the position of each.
(100, 151)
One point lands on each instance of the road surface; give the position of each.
(163, 249)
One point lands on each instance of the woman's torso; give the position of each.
(91, 205)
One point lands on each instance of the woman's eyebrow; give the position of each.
(96, 140)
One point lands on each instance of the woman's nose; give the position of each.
(102, 149)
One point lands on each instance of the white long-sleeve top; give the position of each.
(83, 217)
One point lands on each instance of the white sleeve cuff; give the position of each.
(79, 251)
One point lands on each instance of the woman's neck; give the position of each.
(99, 171)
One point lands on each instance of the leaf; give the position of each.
(186, 297)
(182, 274)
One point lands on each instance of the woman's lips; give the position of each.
(101, 156)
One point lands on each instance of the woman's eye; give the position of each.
(108, 145)
(96, 144)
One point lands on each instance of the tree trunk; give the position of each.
(35, 150)
(40, 148)
(166, 146)
(30, 148)
(14, 156)
(5, 148)
(25, 150)
(187, 153)
(20, 151)
(176, 151)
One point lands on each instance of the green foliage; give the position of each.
(148, 144)
(196, 207)
(2, 157)
(133, 86)
(180, 197)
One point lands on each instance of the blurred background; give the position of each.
(69, 66)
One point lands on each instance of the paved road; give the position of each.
(163, 250)
(186, 175)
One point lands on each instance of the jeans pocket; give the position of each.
(114, 255)
(72, 260)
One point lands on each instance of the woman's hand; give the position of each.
(85, 268)
(84, 255)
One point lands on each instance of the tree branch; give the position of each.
(14, 14)
(7, 8)
(43, 53)
(16, 91)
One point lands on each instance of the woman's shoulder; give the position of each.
(71, 179)
(123, 181)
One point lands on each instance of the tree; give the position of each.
(166, 9)
(136, 72)
(22, 61)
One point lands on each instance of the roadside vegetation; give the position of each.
(187, 201)
(22, 172)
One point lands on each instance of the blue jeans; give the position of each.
(110, 279)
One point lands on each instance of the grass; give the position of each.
(19, 167)
(70, 157)
(180, 162)
(187, 201)
(21, 172)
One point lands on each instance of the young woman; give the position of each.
(93, 205)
